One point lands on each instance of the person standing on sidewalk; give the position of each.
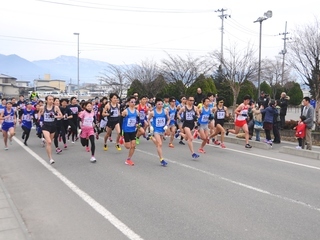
(283, 103)
(308, 112)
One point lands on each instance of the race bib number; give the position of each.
(87, 122)
(27, 117)
(48, 117)
(189, 116)
(131, 122)
(221, 115)
(9, 119)
(172, 116)
(205, 118)
(160, 122)
(142, 115)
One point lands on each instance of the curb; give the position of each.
(300, 152)
(241, 141)
(13, 233)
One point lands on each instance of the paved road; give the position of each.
(230, 193)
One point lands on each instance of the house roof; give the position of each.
(6, 76)
(21, 81)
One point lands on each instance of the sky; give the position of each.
(127, 32)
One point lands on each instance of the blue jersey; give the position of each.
(159, 121)
(204, 116)
(130, 121)
(27, 118)
(172, 115)
(9, 121)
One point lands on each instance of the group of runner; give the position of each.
(57, 119)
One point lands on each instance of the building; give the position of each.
(23, 84)
(8, 86)
(47, 84)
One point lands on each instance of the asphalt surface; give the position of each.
(231, 193)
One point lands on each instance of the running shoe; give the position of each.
(105, 147)
(110, 139)
(171, 145)
(222, 145)
(51, 161)
(182, 143)
(194, 155)
(248, 146)
(298, 147)
(163, 163)
(93, 159)
(65, 146)
(129, 162)
(87, 149)
(177, 133)
(195, 134)
(121, 140)
(118, 147)
(43, 141)
(6, 148)
(137, 141)
(97, 135)
(201, 150)
(58, 150)
(25, 144)
(149, 136)
(208, 141)
(23, 135)
(216, 142)
(227, 132)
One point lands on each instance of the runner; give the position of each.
(172, 110)
(220, 112)
(26, 121)
(88, 119)
(160, 122)
(190, 114)
(9, 119)
(3, 105)
(179, 122)
(143, 110)
(65, 121)
(130, 122)
(241, 120)
(49, 113)
(112, 111)
(73, 110)
(59, 128)
(203, 121)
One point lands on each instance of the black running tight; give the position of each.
(26, 133)
(85, 143)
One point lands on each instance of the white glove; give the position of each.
(151, 129)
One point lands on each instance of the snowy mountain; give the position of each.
(63, 68)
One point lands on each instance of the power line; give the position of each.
(126, 9)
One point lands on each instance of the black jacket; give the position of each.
(283, 103)
(198, 98)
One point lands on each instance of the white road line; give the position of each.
(236, 183)
(85, 197)
(266, 157)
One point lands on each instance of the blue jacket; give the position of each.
(270, 113)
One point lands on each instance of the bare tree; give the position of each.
(238, 66)
(271, 72)
(115, 78)
(305, 57)
(187, 70)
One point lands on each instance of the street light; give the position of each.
(78, 34)
(266, 15)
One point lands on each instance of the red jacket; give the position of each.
(301, 130)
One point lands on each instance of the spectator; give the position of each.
(313, 103)
(198, 97)
(300, 131)
(308, 112)
(34, 95)
(283, 103)
(276, 124)
(270, 113)
(263, 101)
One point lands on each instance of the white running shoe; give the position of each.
(298, 147)
(93, 159)
(51, 161)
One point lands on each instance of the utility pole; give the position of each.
(222, 16)
(284, 51)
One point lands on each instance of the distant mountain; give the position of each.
(63, 68)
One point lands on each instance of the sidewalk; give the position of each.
(11, 223)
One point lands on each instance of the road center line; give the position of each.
(236, 183)
(266, 157)
(84, 196)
